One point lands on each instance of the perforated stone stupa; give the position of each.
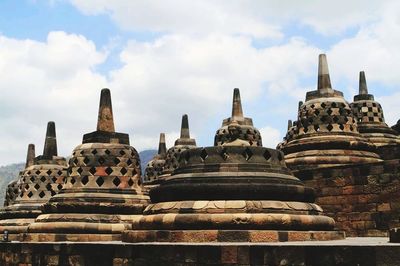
(181, 144)
(102, 194)
(326, 132)
(155, 166)
(235, 191)
(41, 179)
(371, 122)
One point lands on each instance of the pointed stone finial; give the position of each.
(50, 144)
(363, 89)
(324, 81)
(185, 134)
(237, 112)
(30, 156)
(162, 148)
(300, 104)
(105, 120)
(289, 124)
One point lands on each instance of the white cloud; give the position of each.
(270, 136)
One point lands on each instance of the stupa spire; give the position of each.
(289, 124)
(237, 112)
(162, 148)
(363, 89)
(30, 156)
(105, 120)
(324, 81)
(50, 144)
(185, 134)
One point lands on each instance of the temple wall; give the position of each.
(364, 200)
(119, 254)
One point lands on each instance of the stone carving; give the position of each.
(41, 179)
(326, 132)
(155, 166)
(232, 192)
(102, 193)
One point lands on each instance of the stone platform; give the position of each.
(352, 251)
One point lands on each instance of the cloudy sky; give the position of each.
(164, 58)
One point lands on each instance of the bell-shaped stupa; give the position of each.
(41, 179)
(371, 122)
(232, 192)
(102, 193)
(326, 131)
(184, 142)
(155, 166)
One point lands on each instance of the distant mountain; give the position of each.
(10, 172)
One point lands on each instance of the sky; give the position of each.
(165, 58)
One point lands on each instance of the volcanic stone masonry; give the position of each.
(348, 155)
(155, 166)
(42, 178)
(235, 191)
(102, 194)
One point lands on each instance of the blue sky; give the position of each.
(162, 59)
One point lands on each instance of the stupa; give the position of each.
(41, 179)
(155, 166)
(371, 122)
(12, 192)
(102, 194)
(235, 191)
(181, 144)
(326, 130)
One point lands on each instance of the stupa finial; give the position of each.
(185, 134)
(237, 112)
(162, 148)
(363, 89)
(50, 144)
(324, 81)
(289, 124)
(30, 156)
(105, 120)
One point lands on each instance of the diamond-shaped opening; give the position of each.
(37, 172)
(48, 186)
(59, 172)
(37, 186)
(334, 105)
(116, 160)
(85, 180)
(22, 194)
(80, 170)
(92, 170)
(335, 119)
(29, 173)
(312, 105)
(267, 155)
(52, 192)
(48, 172)
(329, 127)
(122, 152)
(316, 128)
(129, 162)
(109, 170)
(341, 126)
(26, 186)
(42, 194)
(82, 152)
(100, 181)
(54, 179)
(75, 161)
(203, 154)
(346, 119)
(323, 118)
(323, 105)
(130, 182)
(305, 129)
(316, 112)
(73, 154)
(329, 111)
(69, 170)
(123, 171)
(116, 181)
(30, 194)
(42, 178)
(59, 186)
(94, 151)
(101, 160)
(108, 152)
(73, 180)
(86, 160)
(247, 154)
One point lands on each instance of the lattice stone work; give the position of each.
(12, 192)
